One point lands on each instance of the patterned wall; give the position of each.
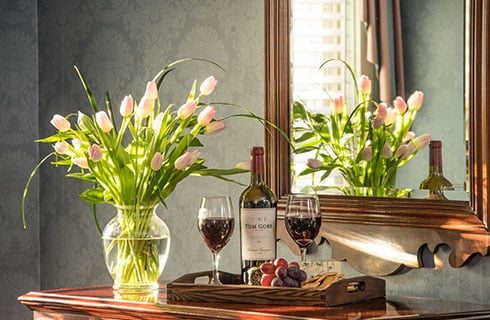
(19, 249)
(119, 44)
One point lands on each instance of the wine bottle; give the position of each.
(258, 215)
(436, 183)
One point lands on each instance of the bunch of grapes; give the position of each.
(278, 273)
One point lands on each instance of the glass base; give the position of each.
(130, 288)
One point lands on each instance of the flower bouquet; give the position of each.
(136, 164)
(366, 145)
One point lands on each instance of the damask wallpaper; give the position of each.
(119, 45)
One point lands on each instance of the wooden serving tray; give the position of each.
(341, 292)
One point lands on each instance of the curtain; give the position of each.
(383, 24)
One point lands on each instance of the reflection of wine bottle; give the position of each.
(257, 220)
(436, 183)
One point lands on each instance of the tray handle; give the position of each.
(224, 277)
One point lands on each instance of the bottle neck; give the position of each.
(257, 169)
(435, 159)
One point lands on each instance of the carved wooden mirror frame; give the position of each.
(377, 235)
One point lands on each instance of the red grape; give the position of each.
(294, 264)
(267, 268)
(281, 272)
(293, 272)
(302, 275)
(276, 282)
(280, 262)
(266, 280)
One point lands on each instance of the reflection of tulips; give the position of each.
(365, 145)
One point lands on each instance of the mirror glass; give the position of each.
(434, 56)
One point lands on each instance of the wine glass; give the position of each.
(303, 220)
(216, 223)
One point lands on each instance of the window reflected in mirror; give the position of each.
(432, 61)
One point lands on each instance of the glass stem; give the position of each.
(303, 257)
(215, 278)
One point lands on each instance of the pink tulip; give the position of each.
(77, 143)
(409, 136)
(415, 100)
(194, 156)
(103, 121)
(81, 162)
(387, 153)
(208, 85)
(404, 151)
(156, 161)
(151, 90)
(206, 116)
(157, 122)
(60, 123)
(215, 127)
(313, 163)
(382, 111)
(400, 105)
(187, 109)
(95, 153)
(421, 141)
(244, 165)
(390, 116)
(61, 147)
(126, 106)
(183, 161)
(338, 104)
(364, 84)
(377, 123)
(367, 153)
(144, 108)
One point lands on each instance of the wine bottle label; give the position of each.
(258, 233)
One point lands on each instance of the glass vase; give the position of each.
(136, 246)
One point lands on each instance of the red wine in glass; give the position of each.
(216, 224)
(216, 231)
(303, 220)
(303, 230)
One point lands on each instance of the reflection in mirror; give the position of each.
(433, 62)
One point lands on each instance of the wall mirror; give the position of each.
(358, 227)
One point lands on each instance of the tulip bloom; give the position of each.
(103, 121)
(208, 85)
(415, 100)
(244, 165)
(126, 106)
(377, 123)
(61, 147)
(95, 153)
(387, 153)
(313, 163)
(157, 123)
(194, 156)
(81, 162)
(187, 109)
(400, 105)
(409, 136)
(215, 127)
(183, 161)
(390, 116)
(367, 153)
(156, 161)
(206, 116)
(60, 123)
(144, 108)
(364, 84)
(77, 143)
(151, 90)
(382, 111)
(338, 104)
(421, 141)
